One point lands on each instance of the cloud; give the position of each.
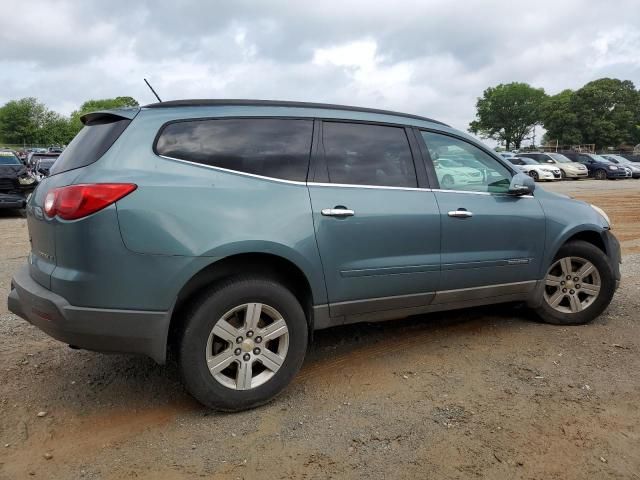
(430, 57)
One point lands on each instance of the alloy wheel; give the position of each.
(247, 346)
(572, 284)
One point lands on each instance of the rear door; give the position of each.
(492, 243)
(377, 224)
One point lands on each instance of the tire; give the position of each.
(533, 174)
(198, 340)
(600, 175)
(447, 181)
(591, 305)
(563, 175)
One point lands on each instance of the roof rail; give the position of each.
(280, 103)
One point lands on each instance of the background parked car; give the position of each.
(568, 168)
(451, 173)
(34, 158)
(15, 181)
(43, 166)
(535, 170)
(599, 167)
(619, 160)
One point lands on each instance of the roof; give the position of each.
(281, 103)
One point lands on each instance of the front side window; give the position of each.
(472, 170)
(362, 154)
(270, 147)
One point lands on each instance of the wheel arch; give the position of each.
(261, 263)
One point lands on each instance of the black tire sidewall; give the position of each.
(607, 286)
(202, 318)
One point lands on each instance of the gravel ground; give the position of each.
(487, 392)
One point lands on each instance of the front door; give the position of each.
(378, 231)
(492, 242)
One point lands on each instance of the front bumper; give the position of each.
(616, 174)
(105, 330)
(614, 253)
(12, 200)
(576, 173)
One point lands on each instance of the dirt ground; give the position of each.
(481, 393)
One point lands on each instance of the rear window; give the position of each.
(8, 158)
(271, 147)
(91, 143)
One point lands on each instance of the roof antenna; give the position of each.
(151, 88)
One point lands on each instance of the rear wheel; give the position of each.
(600, 175)
(578, 285)
(447, 181)
(243, 342)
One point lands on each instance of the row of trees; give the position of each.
(604, 112)
(29, 122)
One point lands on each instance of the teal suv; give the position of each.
(230, 230)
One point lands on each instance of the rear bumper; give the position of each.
(105, 330)
(12, 200)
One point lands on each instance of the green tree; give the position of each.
(508, 112)
(560, 120)
(22, 120)
(607, 112)
(101, 104)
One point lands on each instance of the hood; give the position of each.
(12, 171)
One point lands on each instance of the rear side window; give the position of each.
(271, 147)
(361, 154)
(91, 143)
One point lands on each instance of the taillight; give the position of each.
(77, 201)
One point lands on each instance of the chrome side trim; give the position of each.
(236, 172)
(357, 307)
(380, 187)
(487, 291)
(320, 184)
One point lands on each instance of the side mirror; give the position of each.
(521, 184)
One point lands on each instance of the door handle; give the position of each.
(337, 212)
(460, 213)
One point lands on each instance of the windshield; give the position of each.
(528, 161)
(8, 158)
(599, 158)
(558, 157)
(45, 163)
(618, 158)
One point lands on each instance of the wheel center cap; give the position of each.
(247, 345)
(570, 284)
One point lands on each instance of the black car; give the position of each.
(35, 158)
(599, 167)
(15, 181)
(43, 165)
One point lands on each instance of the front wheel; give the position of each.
(578, 286)
(600, 175)
(243, 342)
(533, 174)
(563, 174)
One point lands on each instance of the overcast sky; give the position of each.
(426, 57)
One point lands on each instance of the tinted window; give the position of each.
(269, 147)
(91, 143)
(361, 154)
(487, 174)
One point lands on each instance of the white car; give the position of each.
(535, 170)
(451, 173)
